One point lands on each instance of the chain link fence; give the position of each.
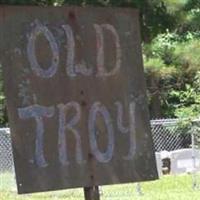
(6, 158)
(166, 136)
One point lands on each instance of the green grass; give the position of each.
(167, 188)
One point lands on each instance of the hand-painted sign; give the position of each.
(76, 97)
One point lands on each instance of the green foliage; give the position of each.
(173, 6)
(193, 18)
(155, 67)
(162, 47)
(173, 61)
(187, 57)
(189, 105)
(192, 4)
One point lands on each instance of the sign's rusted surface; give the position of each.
(76, 97)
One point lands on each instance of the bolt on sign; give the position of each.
(76, 97)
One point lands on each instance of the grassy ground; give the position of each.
(167, 188)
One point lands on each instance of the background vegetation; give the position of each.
(171, 48)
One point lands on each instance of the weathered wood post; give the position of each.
(91, 193)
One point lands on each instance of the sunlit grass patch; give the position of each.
(167, 188)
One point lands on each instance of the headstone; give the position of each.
(185, 160)
(159, 163)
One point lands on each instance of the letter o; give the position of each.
(106, 156)
(44, 73)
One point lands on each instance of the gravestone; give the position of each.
(159, 163)
(185, 160)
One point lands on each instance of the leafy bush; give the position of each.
(173, 62)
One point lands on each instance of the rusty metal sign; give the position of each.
(76, 97)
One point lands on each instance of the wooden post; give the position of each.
(91, 193)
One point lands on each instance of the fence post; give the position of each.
(91, 193)
(138, 189)
(194, 181)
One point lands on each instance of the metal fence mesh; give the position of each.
(6, 158)
(166, 136)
